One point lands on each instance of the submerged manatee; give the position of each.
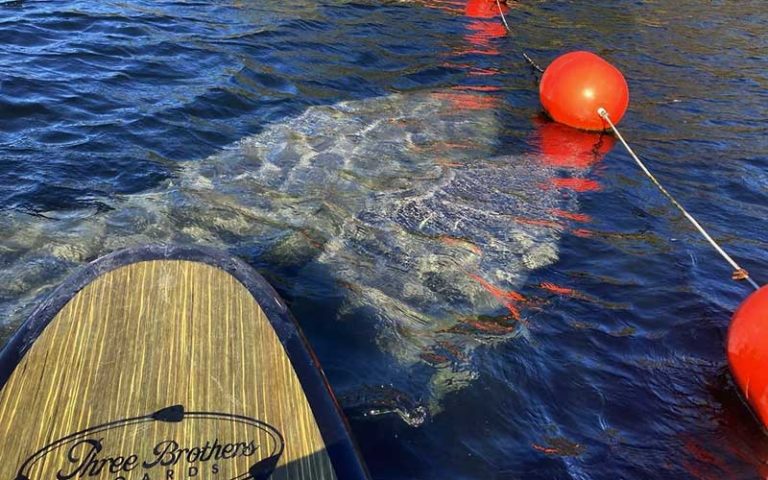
(400, 200)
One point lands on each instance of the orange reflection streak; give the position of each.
(497, 292)
(472, 70)
(452, 349)
(575, 184)
(434, 358)
(568, 292)
(468, 101)
(444, 351)
(558, 289)
(492, 328)
(481, 88)
(565, 147)
(582, 232)
(445, 162)
(576, 217)
(483, 33)
(483, 71)
(539, 222)
(505, 297)
(547, 450)
(461, 243)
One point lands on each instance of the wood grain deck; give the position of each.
(159, 370)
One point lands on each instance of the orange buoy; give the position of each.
(748, 351)
(485, 8)
(576, 84)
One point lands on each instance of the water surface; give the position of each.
(492, 295)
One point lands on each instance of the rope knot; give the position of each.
(740, 274)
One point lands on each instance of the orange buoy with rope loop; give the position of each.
(748, 351)
(576, 84)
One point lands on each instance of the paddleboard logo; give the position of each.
(170, 444)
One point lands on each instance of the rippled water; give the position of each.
(492, 295)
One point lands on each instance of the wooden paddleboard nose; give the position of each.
(167, 363)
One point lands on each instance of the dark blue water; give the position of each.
(621, 373)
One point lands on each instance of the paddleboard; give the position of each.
(168, 363)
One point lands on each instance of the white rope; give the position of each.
(503, 19)
(738, 270)
(532, 63)
(509, 30)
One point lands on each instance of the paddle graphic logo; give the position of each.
(170, 444)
